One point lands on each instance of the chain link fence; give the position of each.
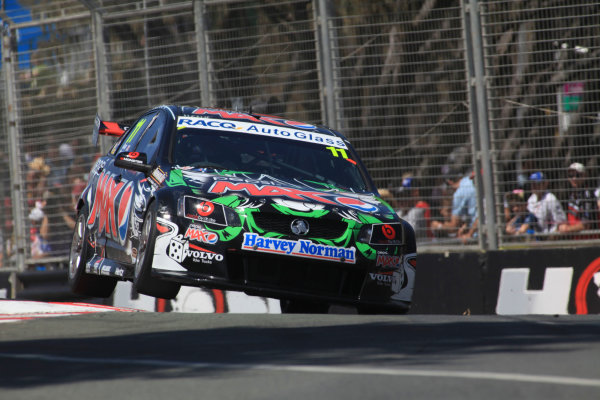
(435, 96)
(543, 68)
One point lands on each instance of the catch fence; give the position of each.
(428, 92)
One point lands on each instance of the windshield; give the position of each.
(281, 158)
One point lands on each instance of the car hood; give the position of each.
(299, 196)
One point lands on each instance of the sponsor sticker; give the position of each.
(253, 128)
(387, 261)
(390, 234)
(180, 249)
(298, 248)
(110, 208)
(244, 116)
(199, 234)
(300, 195)
(158, 176)
(382, 277)
(392, 279)
(204, 211)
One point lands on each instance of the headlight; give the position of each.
(232, 218)
(382, 234)
(207, 211)
(364, 236)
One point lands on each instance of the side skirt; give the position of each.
(103, 266)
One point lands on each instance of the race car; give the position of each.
(234, 200)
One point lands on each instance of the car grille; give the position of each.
(321, 228)
(298, 275)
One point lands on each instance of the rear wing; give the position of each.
(107, 128)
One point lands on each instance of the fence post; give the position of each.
(325, 65)
(14, 154)
(102, 84)
(203, 61)
(480, 131)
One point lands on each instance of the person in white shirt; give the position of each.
(544, 205)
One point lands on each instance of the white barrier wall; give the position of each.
(198, 300)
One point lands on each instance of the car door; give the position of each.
(126, 189)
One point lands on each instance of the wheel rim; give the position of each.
(77, 247)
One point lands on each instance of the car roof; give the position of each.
(248, 116)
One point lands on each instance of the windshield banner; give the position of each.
(260, 129)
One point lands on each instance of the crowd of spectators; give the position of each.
(53, 183)
(536, 209)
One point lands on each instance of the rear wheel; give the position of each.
(81, 251)
(143, 280)
(303, 307)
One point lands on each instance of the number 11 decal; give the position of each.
(340, 152)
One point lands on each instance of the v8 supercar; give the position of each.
(239, 201)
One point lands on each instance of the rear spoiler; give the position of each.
(106, 128)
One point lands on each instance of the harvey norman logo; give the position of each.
(299, 248)
(260, 129)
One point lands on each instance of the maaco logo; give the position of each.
(110, 193)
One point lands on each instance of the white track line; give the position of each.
(13, 311)
(496, 376)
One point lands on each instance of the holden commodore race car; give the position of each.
(239, 201)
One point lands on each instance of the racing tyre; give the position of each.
(143, 281)
(303, 307)
(81, 251)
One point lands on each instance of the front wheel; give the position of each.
(81, 251)
(143, 280)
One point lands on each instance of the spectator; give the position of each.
(582, 209)
(39, 245)
(58, 223)
(417, 211)
(386, 195)
(544, 205)
(59, 160)
(463, 220)
(36, 180)
(521, 221)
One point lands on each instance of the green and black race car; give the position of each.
(239, 201)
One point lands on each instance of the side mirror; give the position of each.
(134, 161)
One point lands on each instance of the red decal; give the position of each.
(388, 231)
(356, 204)
(133, 154)
(124, 204)
(201, 235)
(161, 228)
(98, 195)
(387, 261)
(268, 190)
(193, 246)
(111, 191)
(111, 128)
(205, 208)
(226, 114)
(108, 192)
(219, 301)
(583, 285)
(161, 305)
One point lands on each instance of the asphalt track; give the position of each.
(144, 355)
